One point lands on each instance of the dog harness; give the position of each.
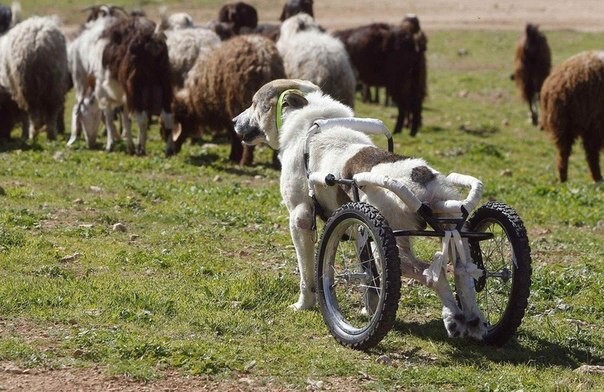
(367, 126)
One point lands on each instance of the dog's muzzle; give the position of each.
(249, 133)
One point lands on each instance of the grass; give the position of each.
(201, 280)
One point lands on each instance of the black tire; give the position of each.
(358, 276)
(503, 290)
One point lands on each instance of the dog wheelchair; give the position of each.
(358, 271)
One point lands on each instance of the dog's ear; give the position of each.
(294, 99)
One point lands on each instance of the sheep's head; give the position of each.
(293, 7)
(239, 14)
(261, 122)
(185, 123)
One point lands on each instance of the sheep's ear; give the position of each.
(295, 100)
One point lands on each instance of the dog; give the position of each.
(281, 113)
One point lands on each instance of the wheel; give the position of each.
(358, 276)
(503, 290)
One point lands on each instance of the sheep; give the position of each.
(186, 43)
(135, 72)
(392, 56)
(84, 54)
(175, 21)
(222, 85)
(310, 54)
(185, 46)
(532, 64)
(241, 16)
(294, 7)
(572, 107)
(33, 69)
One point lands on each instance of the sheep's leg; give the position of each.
(411, 267)
(416, 118)
(167, 125)
(300, 226)
(75, 124)
(592, 153)
(108, 114)
(25, 127)
(51, 125)
(61, 120)
(142, 119)
(236, 147)
(127, 131)
(35, 124)
(534, 107)
(365, 93)
(247, 158)
(400, 119)
(563, 155)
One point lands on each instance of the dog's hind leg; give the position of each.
(302, 233)
(411, 267)
(464, 284)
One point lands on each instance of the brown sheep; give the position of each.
(240, 15)
(572, 106)
(532, 64)
(222, 85)
(137, 58)
(394, 57)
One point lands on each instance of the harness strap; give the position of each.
(279, 114)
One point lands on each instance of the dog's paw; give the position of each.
(477, 327)
(455, 323)
(304, 302)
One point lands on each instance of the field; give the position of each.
(133, 273)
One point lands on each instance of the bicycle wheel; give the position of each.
(503, 290)
(358, 276)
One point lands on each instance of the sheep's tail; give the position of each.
(16, 11)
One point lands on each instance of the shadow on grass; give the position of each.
(218, 162)
(19, 144)
(535, 352)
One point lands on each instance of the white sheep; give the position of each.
(186, 43)
(311, 54)
(185, 46)
(33, 69)
(84, 53)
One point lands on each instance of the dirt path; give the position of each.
(584, 15)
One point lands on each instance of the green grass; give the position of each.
(202, 278)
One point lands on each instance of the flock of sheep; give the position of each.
(124, 66)
(571, 97)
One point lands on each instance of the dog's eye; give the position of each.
(266, 107)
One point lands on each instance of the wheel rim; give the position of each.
(352, 277)
(496, 257)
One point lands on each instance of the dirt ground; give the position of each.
(583, 15)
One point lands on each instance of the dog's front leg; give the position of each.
(301, 228)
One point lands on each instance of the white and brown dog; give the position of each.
(281, 113)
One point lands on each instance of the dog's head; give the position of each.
(260, 123)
